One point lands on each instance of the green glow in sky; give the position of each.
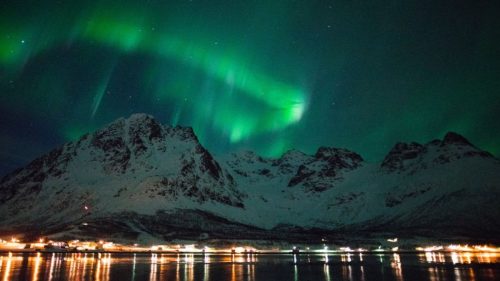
(285, 103)
(262, 75)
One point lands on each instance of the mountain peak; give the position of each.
(454, 138)
(402, 152)
(327, 153)
(140, 116)
(136, 119)
(292, 153)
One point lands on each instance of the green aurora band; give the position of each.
(284, 103)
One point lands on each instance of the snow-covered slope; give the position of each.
(138, 177)
(132, 164)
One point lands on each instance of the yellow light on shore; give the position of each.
(346, 249)
(429, 248)
(108, 245)
(239, 250)
(486, 249)
(42, 243)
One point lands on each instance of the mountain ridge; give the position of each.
(136, 171)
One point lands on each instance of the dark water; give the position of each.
(317, 267)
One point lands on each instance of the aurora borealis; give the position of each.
(262, 75)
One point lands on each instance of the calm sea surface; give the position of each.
(314, 267)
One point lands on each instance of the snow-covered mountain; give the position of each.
(137, 178)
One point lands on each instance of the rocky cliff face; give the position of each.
(146, 178)
(325, 169)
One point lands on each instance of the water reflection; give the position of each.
(250, 272)
(206, 272)
(154, 267)
(36, 267)
(233, 272)
(347, 272)
(458, 275)
(396, 267)
(381, 258)
(326, 271)
(362, 272)
(458, 257)
(346, 257)
(7, 268)
(188, 270)
(51, 268)
(249, 267)
(134, 261)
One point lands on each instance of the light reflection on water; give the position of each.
(250, 267)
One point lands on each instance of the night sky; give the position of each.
(257, 74)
